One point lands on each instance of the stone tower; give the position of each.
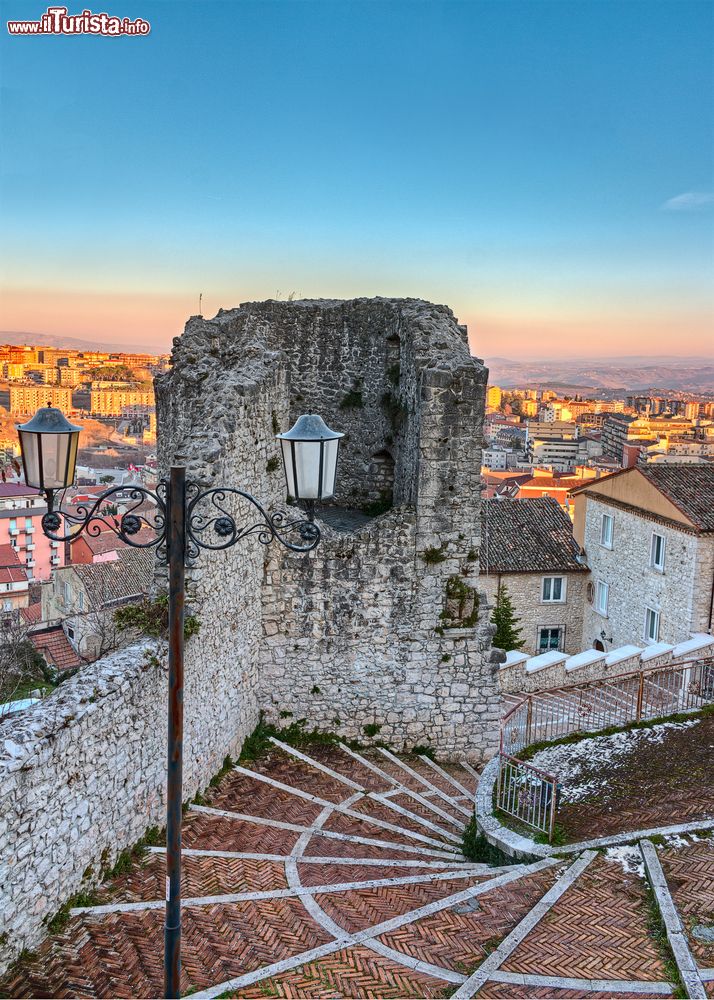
(380, 630)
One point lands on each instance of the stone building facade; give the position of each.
(528, 545)
(648, 534)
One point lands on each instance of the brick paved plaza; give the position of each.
(334, 875)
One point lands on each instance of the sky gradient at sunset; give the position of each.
(545, 168)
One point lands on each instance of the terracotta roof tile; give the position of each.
(689, 487)
(527, 536)
(56, 648)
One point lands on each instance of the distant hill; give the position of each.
(20, 337)
(633, 374)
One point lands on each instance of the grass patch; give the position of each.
(476, 848)
(433, 555)
(295, 735)
(658, 933)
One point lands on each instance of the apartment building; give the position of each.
(27, 399)
(648, 536)
(529, 546)
(121, 402)
(21, 510)
(14, 585)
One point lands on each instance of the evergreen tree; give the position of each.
(508, 635)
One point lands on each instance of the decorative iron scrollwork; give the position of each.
(209, 523)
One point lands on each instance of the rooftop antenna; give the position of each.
(200, 300)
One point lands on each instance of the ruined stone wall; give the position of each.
(356, 633)
(380, 625)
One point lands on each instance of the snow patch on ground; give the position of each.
(629, 857)
(582, 768)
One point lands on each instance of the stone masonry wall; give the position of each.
(526, 593)
(379, 625)
(634, 585)
(353, 632)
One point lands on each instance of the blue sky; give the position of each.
(515, 160)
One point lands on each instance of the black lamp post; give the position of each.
(184, 520)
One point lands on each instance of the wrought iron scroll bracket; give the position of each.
(210, 524)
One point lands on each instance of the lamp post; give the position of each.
(184, 520)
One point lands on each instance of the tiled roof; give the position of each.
(11, 569)
(17, 490)
(108, 583)
(33, 614)
(109, 541)
(56, 648)
(689, 487)
(527, 536)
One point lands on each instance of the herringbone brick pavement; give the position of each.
(214, 833)
(312, 874)
(596, 930)
(362, 908)
(690, 876)
(354, 972)
(121, 955)
(461, 937)
(200, 877)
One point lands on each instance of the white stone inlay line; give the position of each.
(365, 937)
(448, 777)
(402, 789)
(316, 764)
(351, 838)
(676, 934)
(193, 852)
(642, 986)
(320, 917)
(346, 811)
(302, 890)
(425, 781)
(509, 944)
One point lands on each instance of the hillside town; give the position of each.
(551, 545)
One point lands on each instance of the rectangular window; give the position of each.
(657, 552)
(651, 625)
(553, 589)
(602, 596)
(550, 637)
(81, 600)
(606, 530)
(70, 632)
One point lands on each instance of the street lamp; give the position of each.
(185, 520)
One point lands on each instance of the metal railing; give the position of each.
(616, 701)
(527, 793)
(580, 708)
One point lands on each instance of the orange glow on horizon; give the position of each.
(151, 320)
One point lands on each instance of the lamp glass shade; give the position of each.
(310, 452)
(48, 444)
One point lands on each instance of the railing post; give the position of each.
(553, 804)
(529, 721)
(640, 695)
